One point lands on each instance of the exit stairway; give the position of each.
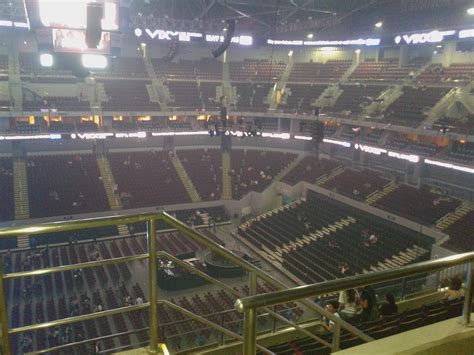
(328, 177)
(377, 195)
(449, 219)
(188, 184)
(20, 190)
(109, 182)
(289, 168)
(226, 181)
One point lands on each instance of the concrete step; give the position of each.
(188, 184)
(377, 195)
(20, 189)
(226, 181)
(109, 182)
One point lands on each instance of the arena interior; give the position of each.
(249, 147)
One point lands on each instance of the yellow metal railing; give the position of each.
(251, 304)
(152, 255)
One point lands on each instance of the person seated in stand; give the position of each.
(454, 289)
(331, 307)
(98, 308)
(368, 305)
(348, 300)
(390, 307)
(373, 239)
(344, 267)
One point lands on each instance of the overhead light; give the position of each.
(290, 53)
(435, 52)
(24, 42)
(143, 44)
(470, 11)
(379, 24)
(310, 35)
(94, 61)
(225, 29)
(439, 46)
(357, 51)
(46, 60)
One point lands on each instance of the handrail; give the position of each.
(250, 304)
(150, 219)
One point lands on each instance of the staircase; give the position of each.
(377, 195)
(280, 85)
(449, 219)
(385, 99)
(20, 188)
(188, 184)
(109, 182)
(226, 181)
(226, 86)
(14, 80)
(328, 97)
(333, 174)
(349, 71)
(442, 106)
(159, 91)
(289, 167)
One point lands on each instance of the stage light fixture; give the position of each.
(379, 24)
(46, 60)
(310, 36)
(470, 11)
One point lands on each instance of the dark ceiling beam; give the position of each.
(245, 15)
(206, 10)
(272, 6)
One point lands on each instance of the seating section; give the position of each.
(356, 184)
(455, 73)
(147, 179)
(56, 102)
(460, 234)
(421, 204)
(3, 65)
(255, 70)
(204, 167)
(313, 239)
(299, 97)
(64, 185)
(254, 170)
(30, 64)
(386, 70)
(355, 98)
(125, 67)
(204, 69)
(331, 71)
(7, 208)
(128, 95)
(310, 170)
(185, 95)
(387, 326)
(461, 153)
(412, 107)
(251, 97)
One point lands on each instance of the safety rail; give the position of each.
(250, 305)
(152, 255)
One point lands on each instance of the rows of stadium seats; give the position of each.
(51, 191)
(255, 70)
(341, 236)
(386, 70)
(411, 107)
(461, 153)
(128, 95)
(373, 136)
(147, 179)
(456, 72)
(299, 97)
(3, 65)
(309, 170)
(30, 65)
(460, 234)
(356, 184)
(204, 69)
(192, 95)
(251, 97)
(387, 326)
(125, 67)
(204, 167)
(56, 102)
(331, 71)
(355, 97)
(418, 204)
(253, 170)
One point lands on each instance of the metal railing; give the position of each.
(152, 255)
(251, 304)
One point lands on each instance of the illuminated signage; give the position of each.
(332, 141)
(304, 138)
(131, 135)
(466, 34)
(87, 136)
(351, 42)
(450, 166)
(420, 38)
(410, 157)
(369, 149)
(34, 136)
(74, 41)
(187, 36)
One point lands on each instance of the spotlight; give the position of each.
(379, 24)
(470, 11)
(310, 36)
(357, 51)
(46, 60)
(290, 53)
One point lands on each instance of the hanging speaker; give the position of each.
(230, 26)
(173, 49)
(94, 24)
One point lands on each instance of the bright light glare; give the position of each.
(46, 60)
(94, 61)
(379, 24)
(310, 35)
(470, 11)
(357, 51)
(290, 53)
